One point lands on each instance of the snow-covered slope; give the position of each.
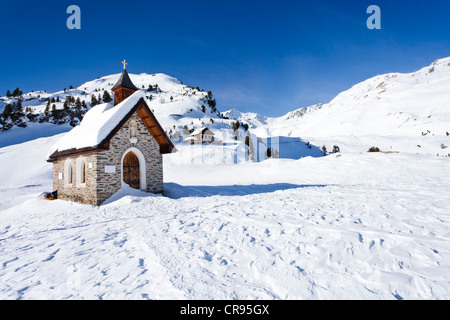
(187, 101)
(402, 112)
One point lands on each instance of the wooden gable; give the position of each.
(155, 129)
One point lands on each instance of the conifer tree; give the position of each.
(70, 100)
(212, 104)
(19, 105)
(106, 97)
(8, 110)
(17, 92)
(186, 130)
(94, 101)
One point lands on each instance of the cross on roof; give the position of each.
(124, 64)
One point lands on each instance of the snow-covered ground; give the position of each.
(349, 226)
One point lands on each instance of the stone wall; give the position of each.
(109, 183)
(76, 191)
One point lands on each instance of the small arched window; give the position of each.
(81, 172)
(68, 172)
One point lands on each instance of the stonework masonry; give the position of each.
(75, 191)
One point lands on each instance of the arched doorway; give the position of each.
(131, 172)
(134, 169)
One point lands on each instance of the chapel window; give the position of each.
(133, 129)
(68, 172)
(81, 171)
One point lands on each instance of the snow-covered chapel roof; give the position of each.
(100, 122)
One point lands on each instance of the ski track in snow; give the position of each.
(341, 240)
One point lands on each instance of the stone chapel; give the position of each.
(114, 145)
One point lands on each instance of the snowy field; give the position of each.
(356, 226)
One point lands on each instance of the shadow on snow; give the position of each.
(176, 191)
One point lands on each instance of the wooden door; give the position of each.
(131, 170)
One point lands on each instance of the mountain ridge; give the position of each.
(410, 105)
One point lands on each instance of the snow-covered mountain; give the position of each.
(395, 112)
(391, 104)
(254, 120)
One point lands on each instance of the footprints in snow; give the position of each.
(5, 230)
(112, 237)
(141, 266)
(4, 264)
(51, 256)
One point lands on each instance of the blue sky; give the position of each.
(257, 56)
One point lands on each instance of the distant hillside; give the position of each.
(395, 112)
(169, 97)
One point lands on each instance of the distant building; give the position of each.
(200, 136)
(113, 146)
